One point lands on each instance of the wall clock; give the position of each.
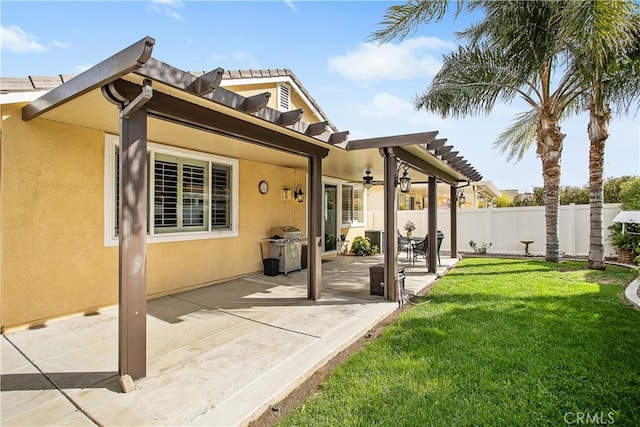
(263, 187)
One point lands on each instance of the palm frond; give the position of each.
(470, 82)
(399, 21)
(519, 136)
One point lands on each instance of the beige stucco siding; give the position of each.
(54, 259)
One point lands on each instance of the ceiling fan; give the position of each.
(368, 181)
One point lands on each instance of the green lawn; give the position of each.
(501, 342)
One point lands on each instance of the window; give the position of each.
(284, 96)
(180, 194)
(352, 206)
(191, 195)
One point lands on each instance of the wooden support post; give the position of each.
(390, 227)
(314, 205)
(433, 223)
(132, 212)
(453, 208)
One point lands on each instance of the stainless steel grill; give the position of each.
(286, 246)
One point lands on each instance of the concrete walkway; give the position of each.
(218, 355)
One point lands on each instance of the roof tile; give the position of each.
(45, 82)
(15, 84)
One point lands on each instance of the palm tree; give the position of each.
(515, 51)
(603, 43)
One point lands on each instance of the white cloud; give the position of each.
(81, 68)
(166, 7)
(388, 108)
(291, 5)
(14, 39)
(61, 45)
(408, 59)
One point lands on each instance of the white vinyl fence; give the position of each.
(504, 228)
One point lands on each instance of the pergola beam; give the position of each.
(435, 144)
(112, 68)
(449, 155)
(256, 103)
(166, 74)
(316, 128)
(206, 83)
(338, 137)
(290, 117)
(453, 161)
(423, 166)
(443, 150)
(167, 107)
(392, 141)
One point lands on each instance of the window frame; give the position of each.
(351, 208)
(110, 193)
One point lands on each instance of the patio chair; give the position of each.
(421, 247)
(403, 244)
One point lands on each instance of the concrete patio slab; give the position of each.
(218, 355)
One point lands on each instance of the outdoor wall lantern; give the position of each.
(298, 194)
(405, 181)
(461, 198)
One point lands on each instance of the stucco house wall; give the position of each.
(54, 257)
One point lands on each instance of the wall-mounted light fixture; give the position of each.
(298, 194)
(405, 180)
(461, 198)
(481, 200)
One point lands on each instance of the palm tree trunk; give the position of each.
(598, 134)
(549, 148)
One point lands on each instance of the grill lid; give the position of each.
(285, 232)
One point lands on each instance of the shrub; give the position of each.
(361, 246)
(479, 249)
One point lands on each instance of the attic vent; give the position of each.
(284, 96)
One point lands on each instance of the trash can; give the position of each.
(271, 266)
(376, 279)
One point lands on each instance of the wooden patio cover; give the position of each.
(137, 100)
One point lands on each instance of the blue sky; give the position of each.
(364, 88)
